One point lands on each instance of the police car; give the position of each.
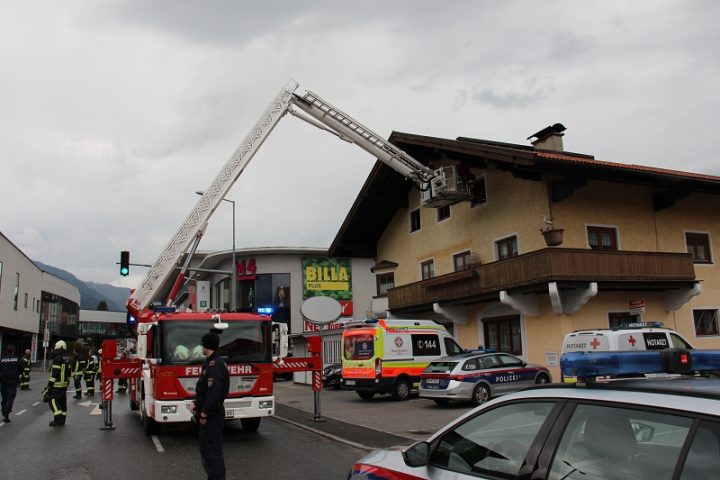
(635, 429)
(478, 376)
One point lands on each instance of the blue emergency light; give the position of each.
(163, 309)
(265, 310)
(589, 365)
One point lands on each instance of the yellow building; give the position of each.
(636, 245)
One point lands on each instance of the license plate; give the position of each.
(432, 381)
(229, 413)
(349, 382)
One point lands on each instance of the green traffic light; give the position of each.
(124, 272)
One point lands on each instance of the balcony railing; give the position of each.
(543, 266)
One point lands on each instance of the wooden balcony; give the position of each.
(537, 268)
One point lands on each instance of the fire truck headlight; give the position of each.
(264, 404)
(165, 409)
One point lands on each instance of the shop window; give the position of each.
(698, 245)
(385, 281)
(602, 238)
(706, 322)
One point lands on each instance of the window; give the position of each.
(427, 269)
(478, 193)
(481, 446)
(25, 304)
(503, 334)
(17, 291)
(452, 348)
(461, 261)
(443, 213)
(1, 265)
(385, 281)
(415, 220)
(703, 459)
(506, 248)
(602, 238)
(609, 442)
(698, 245)
(706, 322)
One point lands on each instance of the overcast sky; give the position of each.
(113, 113)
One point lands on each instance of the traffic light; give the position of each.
(124, 263)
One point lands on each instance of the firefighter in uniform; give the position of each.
(211, 390)
(58, 383)
(90, 371)
(25, 378)
(78, 371)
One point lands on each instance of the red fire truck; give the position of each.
(165, 368)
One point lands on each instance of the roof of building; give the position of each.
(385, 191)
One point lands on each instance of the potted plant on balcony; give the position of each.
(553, 236)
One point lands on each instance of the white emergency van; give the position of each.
(388, 355)
(628, 337)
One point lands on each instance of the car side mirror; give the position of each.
(417, 455)
(643, 432)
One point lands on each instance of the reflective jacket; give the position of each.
(91, 367)
(60, 370)
(79, 366)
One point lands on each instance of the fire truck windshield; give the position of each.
(245, 341)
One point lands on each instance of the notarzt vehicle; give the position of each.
(640, 429)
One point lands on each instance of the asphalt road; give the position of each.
(80, 450)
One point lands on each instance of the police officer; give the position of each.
(90, 371)
(58, 383)
(211, 390)
(25, 378)
(10, 371)
(78, 371)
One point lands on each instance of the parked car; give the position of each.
(649, 428)
(332, 376)
(478, 376)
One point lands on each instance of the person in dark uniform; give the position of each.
(58, 384)
(25, 379)
(10, 371)
(78, 371)
(211, 390)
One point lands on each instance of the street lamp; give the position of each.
(233, 277)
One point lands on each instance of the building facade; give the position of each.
(36, 307)
(276, 281)
(631, 243)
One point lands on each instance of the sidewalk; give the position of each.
(379, 423)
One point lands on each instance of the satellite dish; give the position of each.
(321, 310)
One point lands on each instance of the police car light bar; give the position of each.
(590, 365)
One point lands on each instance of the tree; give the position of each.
(102, 305)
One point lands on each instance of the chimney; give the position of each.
(549, 138)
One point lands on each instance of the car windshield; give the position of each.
(440, 367)
(242, 342)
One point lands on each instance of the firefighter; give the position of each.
(58, 383)
(90, 371)
(25, 378)
(210, 392)
(78, 372)
(99, 366)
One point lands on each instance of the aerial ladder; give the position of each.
(441, 187)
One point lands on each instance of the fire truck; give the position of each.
(165, 368)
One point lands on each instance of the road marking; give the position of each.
(96, 410)
(20, 412)
(36, 403)
(158, 445)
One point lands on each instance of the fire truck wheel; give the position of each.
(133, 404)
(150, 426)
(366, 395)
(250, 424)
(401, 389)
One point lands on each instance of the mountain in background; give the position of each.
(92, 293)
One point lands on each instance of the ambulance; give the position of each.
(388, 355)
(639, 336)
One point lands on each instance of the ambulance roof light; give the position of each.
(588, 366)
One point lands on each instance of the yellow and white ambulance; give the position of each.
(388, 355)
